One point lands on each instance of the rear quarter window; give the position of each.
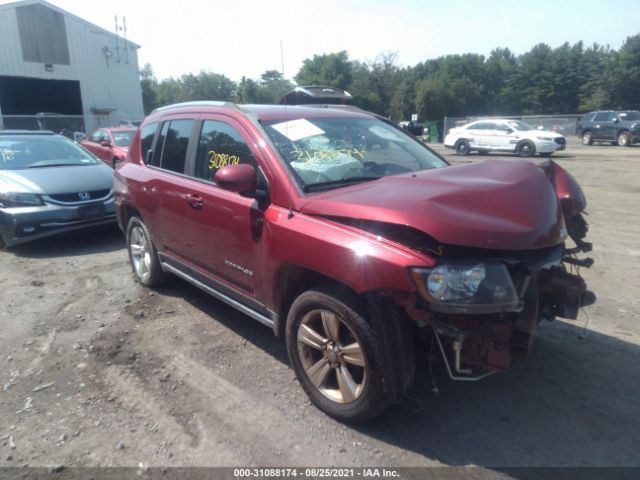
(147, 135)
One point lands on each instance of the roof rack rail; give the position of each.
(196, 103)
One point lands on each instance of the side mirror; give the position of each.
(105, 143)
(616, 120)
(508, 130)
(241, 178)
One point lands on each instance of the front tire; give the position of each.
(526, 149)
(142, 254)
(463, 147)
(334, 352)
(624, 139)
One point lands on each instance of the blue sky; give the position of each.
(243, 37)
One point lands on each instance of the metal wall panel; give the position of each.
(105, 82)
(43, 35)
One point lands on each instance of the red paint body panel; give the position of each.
(568, 191)
(507, 205)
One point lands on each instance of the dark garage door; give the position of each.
(29, 96)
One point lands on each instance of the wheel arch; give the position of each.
(125, 212)
(293, 279)
(394, 335)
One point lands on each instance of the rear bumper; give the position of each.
(24, 224)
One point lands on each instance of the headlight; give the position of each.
(545, 139)
(483, 287)
(16, 199)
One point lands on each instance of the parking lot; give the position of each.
(97, 370)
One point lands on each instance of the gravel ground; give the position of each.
(96, 370)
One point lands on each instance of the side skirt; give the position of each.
(214, 289)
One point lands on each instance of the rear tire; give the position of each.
(334, 352)
(623, 139)
(142, 254)
(526, 148)
(587, 138)
(463, 147)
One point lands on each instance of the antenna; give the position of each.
(282, 57)
(117, 41)
(126, 44)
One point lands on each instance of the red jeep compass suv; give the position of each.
(353, 240)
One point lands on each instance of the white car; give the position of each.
(503, 135)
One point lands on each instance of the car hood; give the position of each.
(54, 180)
(507, 205)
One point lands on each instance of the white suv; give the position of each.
(503, 135)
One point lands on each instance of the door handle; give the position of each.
(195, 201)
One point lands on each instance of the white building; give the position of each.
(52, 61)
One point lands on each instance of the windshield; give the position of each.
(630, 115)
(328, 153)
(518, 125)
(123, 138)
(32, 151)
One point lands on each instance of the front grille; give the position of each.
(80, 196)
(560, 141)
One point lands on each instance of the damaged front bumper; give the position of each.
(477, 337)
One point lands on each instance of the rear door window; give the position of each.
(176, 141)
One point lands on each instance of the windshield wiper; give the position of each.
(338, 183)
(56, 165)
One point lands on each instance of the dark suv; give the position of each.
(621, 128)
(353, 240)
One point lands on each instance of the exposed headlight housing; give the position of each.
(18, 199)
(457, 287)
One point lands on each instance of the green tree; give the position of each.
(625, 78)
(444, 95)
(189, 87)
(248, 91)
(273, 86)
(499, 69)
(148, 85)
(595, 91)
(333, 69)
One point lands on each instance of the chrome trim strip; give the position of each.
(220, 296)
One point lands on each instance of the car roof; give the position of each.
(26, 132)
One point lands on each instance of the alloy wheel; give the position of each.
(332, 356)
(623, 139)
(140, 255)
